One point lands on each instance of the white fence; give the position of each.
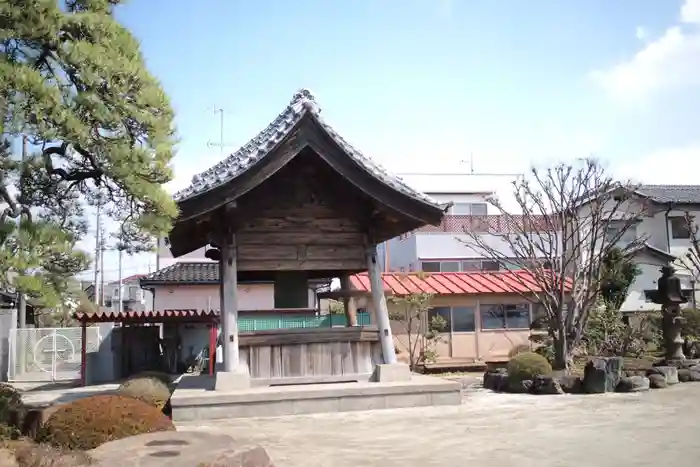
(48, 354)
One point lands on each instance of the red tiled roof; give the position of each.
(116, 316)
(449, 283)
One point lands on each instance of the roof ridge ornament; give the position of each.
(304, 98)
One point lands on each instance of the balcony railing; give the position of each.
(495, 224)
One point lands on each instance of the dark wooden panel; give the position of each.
(266, 252)
(302, 224)
(356, 252)
(300, 265)
(299, 238)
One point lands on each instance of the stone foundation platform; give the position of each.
(195, 399)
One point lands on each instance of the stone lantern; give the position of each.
(669, 295)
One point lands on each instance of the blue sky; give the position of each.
(421, 84)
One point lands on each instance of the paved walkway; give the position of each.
(491, 430)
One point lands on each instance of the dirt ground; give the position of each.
(491, 430)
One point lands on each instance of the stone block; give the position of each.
(602, 375)
(232, 380)
(546, 385)
(633, 384)
(391, 373)
(657, 381)
(670, 373)
(571, 384)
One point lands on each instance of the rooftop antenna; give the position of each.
(470, 162)
(221, 144)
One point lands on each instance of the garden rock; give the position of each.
(602, 375)
(688, 363)
(633, 384)
(496, 380)
(657, 381)
(683, 375)
(694, 376)
(546, 385)
(571, 384)
(520, 387)
(255, 457)
(670, 373)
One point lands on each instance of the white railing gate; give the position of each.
(48, 354)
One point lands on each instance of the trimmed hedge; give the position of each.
(527, 366)
(147, 389)
(11, 411)
(89, 422)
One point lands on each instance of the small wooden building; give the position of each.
(487, 314)
(294, 204)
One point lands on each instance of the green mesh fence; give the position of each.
(292, 322)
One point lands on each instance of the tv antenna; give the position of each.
(221, 144)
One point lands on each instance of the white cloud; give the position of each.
(669, 61)
(665, 166)
(641, 33)
(690, 12)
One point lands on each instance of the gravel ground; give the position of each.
(490, 430)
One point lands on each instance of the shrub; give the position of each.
(526, 366)
(159, 375)
(89, 422)
(11, 411)
(518, 349)
(150, 390)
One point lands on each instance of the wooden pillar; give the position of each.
(212, 347)
(83, 353)
(348, 302)
(229, 304)
(380, 308)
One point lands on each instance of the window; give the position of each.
(449, 266)
(479, 209)
(469, 209)
(430, 266)
(515, 316)
(679, 228)
(489, 266)
(518, 316)
(492, 317)
(133, 292)
(444, 313)
(463, 319)
(457, 319)
(472, 265)
(612, 234)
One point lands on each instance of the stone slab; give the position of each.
(191, 405)
(232, 380)
(392, 372)
(176, 449)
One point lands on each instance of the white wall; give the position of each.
(464, 198)
(201, 297)
(165, 257)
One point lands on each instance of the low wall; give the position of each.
(311, 355)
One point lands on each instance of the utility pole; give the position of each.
(103, 248)
(98, 252)
(121, 304)
(22, 300)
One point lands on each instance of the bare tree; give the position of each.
(691, 259)
(571, 217)
(420, 331)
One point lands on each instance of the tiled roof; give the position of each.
(116, 316)
(247, 156)
(683, 194)
(203, 272)
(450, 283)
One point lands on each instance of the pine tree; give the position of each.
(99, 127)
